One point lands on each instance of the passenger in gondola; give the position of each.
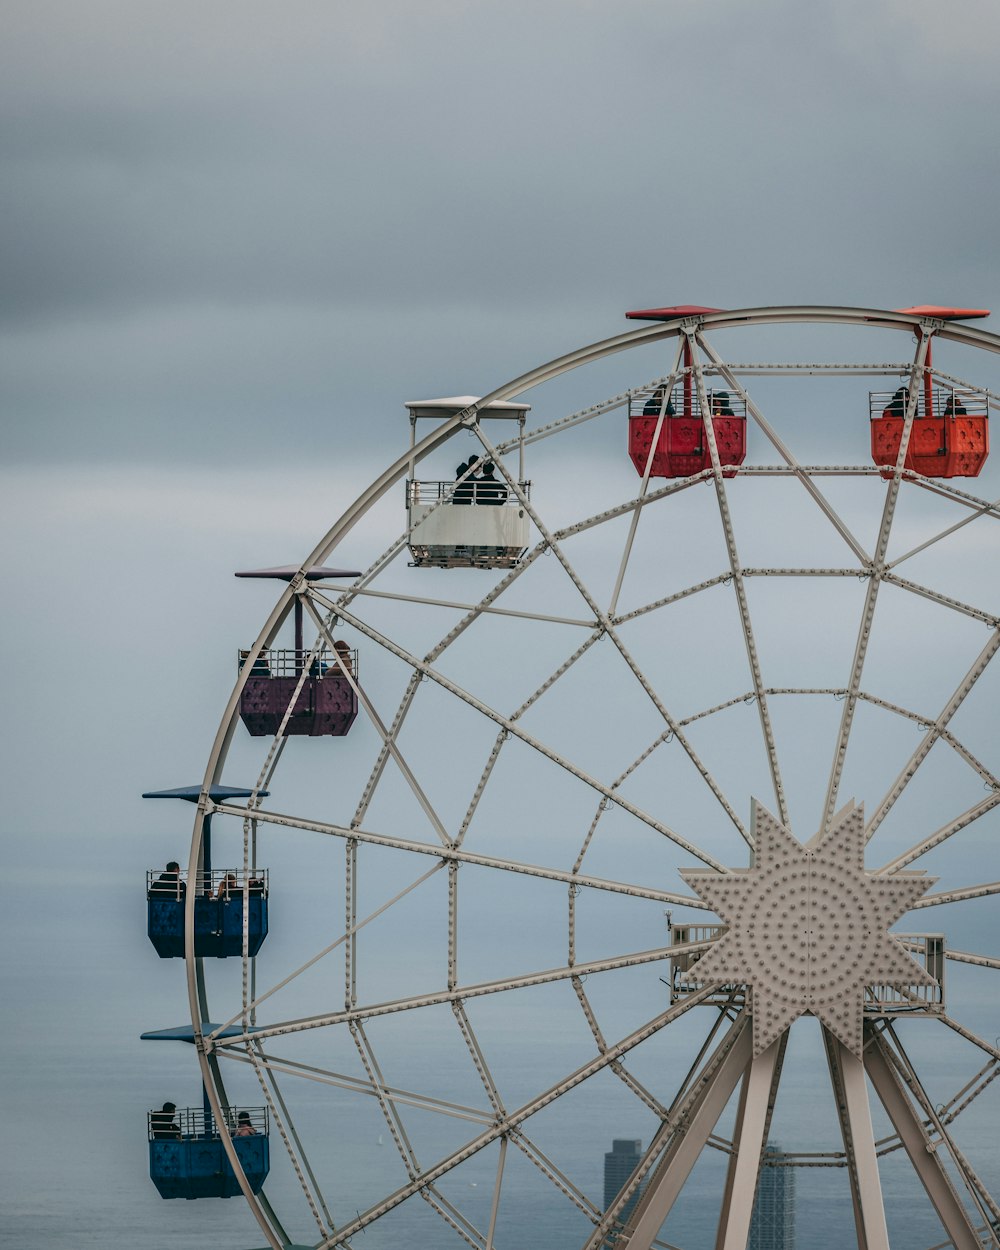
(721, 406)
(261, 667)
(488, 489)
(954, 407)
(465, 492)
(654, 404)
(897, 405)
(255, 888)
(228, 886)
(243, 1126)
(341, 665)
(163, 1124)
(168, 884)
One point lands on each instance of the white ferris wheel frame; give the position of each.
(669, 1159)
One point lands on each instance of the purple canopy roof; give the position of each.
(286, 572)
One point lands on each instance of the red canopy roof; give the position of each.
(945, 314)
(918, 310)
(669, 314)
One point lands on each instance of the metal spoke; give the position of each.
(985, 509)
(672, 1154)
(618, 1068)
(508, 724)
(453, 1217)
(668, 387)
(384, 734)
(943, 834)
(314, 959)
(423, 601)
(986, 1208)
(559, 1179)
(966, 957)
(623, 650)
(293, 1132)
(463, 992)
(456, 854)
(453, 634)
(909, 769)
(496, 1192)
(638, 502)
(804, 478)
(969, 1036)
(515, 1118)
(891, 1075)
(945, 601)
(719, 580)
(956, 896)
(354, 1084)
(741, 597)
(877, 570)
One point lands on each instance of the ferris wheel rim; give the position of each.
(732, 319)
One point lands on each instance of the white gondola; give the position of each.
(471, 523)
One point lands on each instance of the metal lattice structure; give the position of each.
(758, 698)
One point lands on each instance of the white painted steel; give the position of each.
(860, 1145)
(501, 532)
(919, 1146)
(749, 1140)
(688, 1117)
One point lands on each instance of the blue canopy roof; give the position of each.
(185, 1032)
(193, 793)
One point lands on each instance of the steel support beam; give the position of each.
(848, 1075)
(682, 1153)
(918, 1145)
(748, 1145)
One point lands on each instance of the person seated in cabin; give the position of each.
(465, 492)
(256, 888)
(243, 1126)
(168, 884)
(163, 1124)
(261, 666)
(654, 404)
(228, 887)
(897, 405)
(954, 407)
(721, 407)
(488, 489)
(342, 664)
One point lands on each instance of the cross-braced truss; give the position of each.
(469, 989)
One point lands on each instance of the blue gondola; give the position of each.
(218, 921)
(220, 898)
(187, 1158)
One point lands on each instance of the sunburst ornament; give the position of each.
(808, 927)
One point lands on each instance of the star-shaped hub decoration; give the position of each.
(807, 927)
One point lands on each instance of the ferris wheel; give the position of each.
(606, 781)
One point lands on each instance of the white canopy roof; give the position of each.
(455, 403)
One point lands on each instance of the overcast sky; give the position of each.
(238, 235)
(245, 223)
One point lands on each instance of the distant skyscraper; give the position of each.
(772, 1226)
(619, 1164)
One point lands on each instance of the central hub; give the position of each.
(807, 927)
